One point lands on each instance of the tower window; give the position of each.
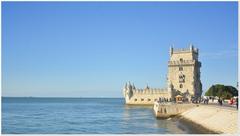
(181, 86)
(181, 78)
(180, 68)
(181, 60)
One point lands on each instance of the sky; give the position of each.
(91, 49)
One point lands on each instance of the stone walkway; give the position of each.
(224, 106)
(220, 119)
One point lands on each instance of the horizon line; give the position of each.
(55, 97)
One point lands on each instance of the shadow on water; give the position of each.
(187, 126)
(192, 128)
(141, 119)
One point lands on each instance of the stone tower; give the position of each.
(184, 71)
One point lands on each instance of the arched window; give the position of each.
(180, 68)
(181, 86)
(181, 78)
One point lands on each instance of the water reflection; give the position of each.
(142, 117)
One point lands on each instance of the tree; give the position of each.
(221, 91)
(233, 90)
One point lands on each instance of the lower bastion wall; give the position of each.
(147, 97)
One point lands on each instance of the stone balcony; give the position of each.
(184, 62)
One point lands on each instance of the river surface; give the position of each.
(82, 116)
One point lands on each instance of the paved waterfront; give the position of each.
(220, 119)
(224, 106)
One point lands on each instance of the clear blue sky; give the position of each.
(89, 49)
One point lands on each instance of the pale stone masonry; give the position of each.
(143, 96)
(184, 71)
(214, 118)
(167, 110)
(183, 76)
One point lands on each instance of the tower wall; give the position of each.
(174, 78)
(184, 71)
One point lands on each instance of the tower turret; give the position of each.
(171, 50)
(126, 85)
(133, 86)
(191, 47)
(147, 87)
(128, 92)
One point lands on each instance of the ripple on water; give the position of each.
(88, 116)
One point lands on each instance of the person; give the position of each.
(221, 102)
(231, 101)
(207, 100)
(204, 101)
(237, 103)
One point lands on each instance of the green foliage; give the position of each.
(221, 91)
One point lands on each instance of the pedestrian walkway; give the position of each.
(220, 119)
(225, 106)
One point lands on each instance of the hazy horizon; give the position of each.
(60, 97)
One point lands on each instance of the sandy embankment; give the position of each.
(213, 118)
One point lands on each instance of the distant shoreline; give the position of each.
(63, 97)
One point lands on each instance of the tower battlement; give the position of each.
(150, 91)
(191, 49)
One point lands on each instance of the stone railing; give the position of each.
(183, 62)
(184, 50)
(181, 50)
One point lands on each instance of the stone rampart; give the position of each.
(150, 91)
(165, 110)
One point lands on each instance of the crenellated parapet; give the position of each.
(185, 50)
(191, 49)
(150, 91)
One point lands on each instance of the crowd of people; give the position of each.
(220, 101)
(204, 100)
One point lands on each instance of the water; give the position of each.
(82, 115)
